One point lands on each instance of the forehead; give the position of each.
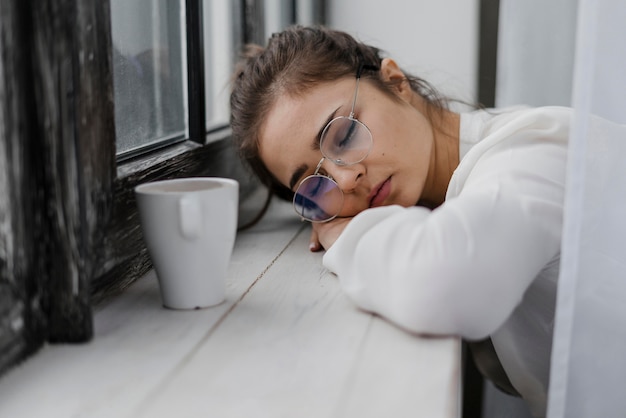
(287, 136)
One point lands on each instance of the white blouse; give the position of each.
(486, 262)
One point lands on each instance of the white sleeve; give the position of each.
(464, 267)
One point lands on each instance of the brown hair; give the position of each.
(295, 60)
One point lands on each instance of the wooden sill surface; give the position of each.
(285, 343)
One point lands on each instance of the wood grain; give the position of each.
(75, 127)
(286, 343)
(22, 267)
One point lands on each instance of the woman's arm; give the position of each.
(462, 268)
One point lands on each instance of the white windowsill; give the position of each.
(287, 342)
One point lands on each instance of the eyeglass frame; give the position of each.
(337, 162)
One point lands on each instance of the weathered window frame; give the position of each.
(72, 234)
(57, 131)
(69, 230)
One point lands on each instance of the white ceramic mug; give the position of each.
(189, 227)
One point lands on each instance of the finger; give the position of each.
(314, 242)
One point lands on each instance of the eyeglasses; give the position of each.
(345, 141)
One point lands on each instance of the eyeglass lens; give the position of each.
(318, 199)
(345, 141)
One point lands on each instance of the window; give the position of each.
(148, 73)
(222, 36)
(125, 92)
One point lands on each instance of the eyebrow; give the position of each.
(297, 174)
(315, 145)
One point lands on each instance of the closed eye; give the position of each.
(353, 126)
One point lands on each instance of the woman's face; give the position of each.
(395, 170)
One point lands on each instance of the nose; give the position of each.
(346, 176)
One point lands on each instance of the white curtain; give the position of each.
(568, 52)
(588, 376)
(535, 52)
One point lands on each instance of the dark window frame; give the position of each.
(473, 380)
(66, 200)
(70, 205)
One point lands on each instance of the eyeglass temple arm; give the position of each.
(358, 77)
(317, 169)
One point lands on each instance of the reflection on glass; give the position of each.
(219, 55)
(148, 73)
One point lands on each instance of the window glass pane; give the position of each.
(149, 73)
(219, 50)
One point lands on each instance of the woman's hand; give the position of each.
(324, 235)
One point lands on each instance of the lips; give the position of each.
(380, 193)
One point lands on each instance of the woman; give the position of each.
(443, 223)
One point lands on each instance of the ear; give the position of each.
(390, 72)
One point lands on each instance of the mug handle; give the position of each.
(189, 217)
